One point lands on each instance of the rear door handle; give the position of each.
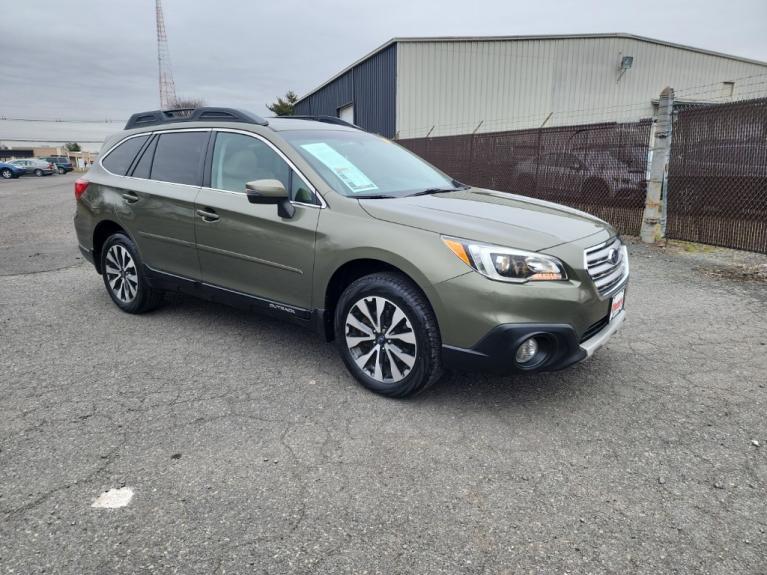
(130, 197)
(208, 215)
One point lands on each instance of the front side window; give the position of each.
(178, 157)
(119, 159)
(359, 164)
(239, 159)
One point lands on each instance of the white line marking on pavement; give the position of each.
(114, 498)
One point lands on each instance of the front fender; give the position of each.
(419, 254)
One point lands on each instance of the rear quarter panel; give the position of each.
(102, 201)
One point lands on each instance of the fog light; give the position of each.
(527, 350)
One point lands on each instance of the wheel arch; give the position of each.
(101, 232)
(593, 182)
(352, 269)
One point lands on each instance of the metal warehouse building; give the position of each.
(413, 87)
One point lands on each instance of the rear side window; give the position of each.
(178, 157)
(144, 164)
(119, 160)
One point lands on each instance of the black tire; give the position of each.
(38, 172)
(6, 174)
(398, 290)
(61, 171)
(144, 298)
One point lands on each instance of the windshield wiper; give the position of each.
(428, 191)
(375, 197)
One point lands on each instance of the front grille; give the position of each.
(608, 266)
(595, 328)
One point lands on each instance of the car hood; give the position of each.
(490, 216)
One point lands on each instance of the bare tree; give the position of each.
(187, 103)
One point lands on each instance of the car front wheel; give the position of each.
(6, 174)
(124, 276)
(387, 335)
(61, 171)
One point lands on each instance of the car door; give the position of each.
(22, 165)
(249, 248)
(572, 173)
(548, 175)
(157, 198)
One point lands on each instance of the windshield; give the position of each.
(359, 164)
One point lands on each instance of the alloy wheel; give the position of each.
(121, 273)
(381, 339)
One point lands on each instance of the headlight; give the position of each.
(506, 264)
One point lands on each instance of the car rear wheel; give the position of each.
(61, 171)
(387, 335)
(38, 172)
(124, 276)
(6, 174)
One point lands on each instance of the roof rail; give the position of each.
(156, 117)
(321, 118)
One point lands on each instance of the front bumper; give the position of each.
(495, 352)
(599, 339)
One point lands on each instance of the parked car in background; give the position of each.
(593, 175)
(34, 166)
(8, 171)
(720, 176)
(61, 163)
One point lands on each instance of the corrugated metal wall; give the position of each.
(452, 86)
(370, 87)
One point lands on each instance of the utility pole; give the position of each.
(167, 86)
(652, 229)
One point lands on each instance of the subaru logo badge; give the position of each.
(613, 256)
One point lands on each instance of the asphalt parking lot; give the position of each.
(250, 450)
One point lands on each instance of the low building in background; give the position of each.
(80, 160)
(414, 87)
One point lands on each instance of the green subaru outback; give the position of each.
(313, 220)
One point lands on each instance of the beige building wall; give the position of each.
(451, 86)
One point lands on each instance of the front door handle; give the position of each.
(130, 197)
(208, 215)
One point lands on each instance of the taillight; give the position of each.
(80, 187)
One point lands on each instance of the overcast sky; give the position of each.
(96, 59)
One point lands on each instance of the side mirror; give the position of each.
(265, 191)
(270, 192)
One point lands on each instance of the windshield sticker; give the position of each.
(347, 172)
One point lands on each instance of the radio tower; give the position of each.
(167, 87)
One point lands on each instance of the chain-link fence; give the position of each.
(717, 178)
(598, 168)
(717, 174)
